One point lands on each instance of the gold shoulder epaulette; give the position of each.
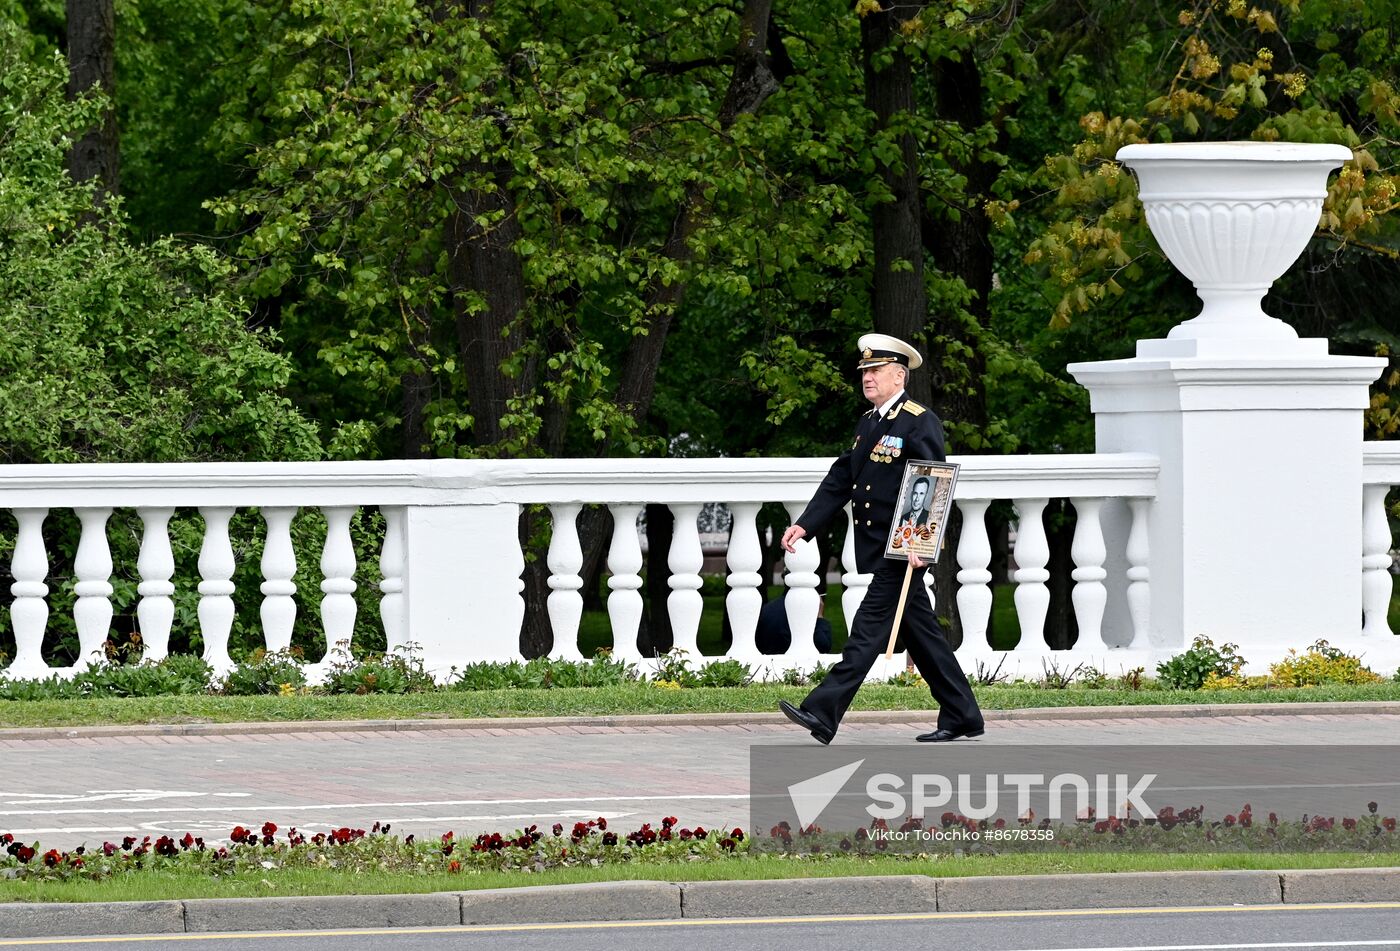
(913, 409)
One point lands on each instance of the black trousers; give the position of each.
(922, 637)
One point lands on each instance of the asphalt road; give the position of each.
(68, 791)
(1299, 928)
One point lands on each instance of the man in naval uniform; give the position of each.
(868, 476)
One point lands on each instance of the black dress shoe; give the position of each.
(944, 736)
(807, 721)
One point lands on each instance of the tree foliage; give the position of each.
(110, 349)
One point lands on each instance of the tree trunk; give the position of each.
(754, 79)
(536, 634)
(961, 245)
(750, 85)
(483, 260)
(92, 33)
(899, 301)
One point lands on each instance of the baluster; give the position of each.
(216, 589)
(29, 612)
(565, 560)
(391, 567)
(974, 580)
(155, 563)
(802, 602)
(1375, 561)
(685, 560)
(1139, 591)
(854, 584)
(1090, 595)
(338, 584)
(745, 599)
(1032, 555)
(279, 564)
(92, 611)
(624, 582)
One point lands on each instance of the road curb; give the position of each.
(661, 900)
(1127, 712)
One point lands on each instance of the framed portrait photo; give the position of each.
(921, 514)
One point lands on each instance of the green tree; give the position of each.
(112, 350)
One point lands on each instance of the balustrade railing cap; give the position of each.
(1234, 152)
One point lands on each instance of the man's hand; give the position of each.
(792, 536)
(915, 560)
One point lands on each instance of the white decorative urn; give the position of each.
(1231, 216)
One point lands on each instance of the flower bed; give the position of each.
(259, 849)
(1187, 830)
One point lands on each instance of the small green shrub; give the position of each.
(1322, 664)
(1132, 680)
(485, 675)
(724, 673)
(263, 672)
(986, 676)
(51, 689)
(379, 673)
(1235, 682)
(796, 677)
(1189, 670)
(674, 667)
(1055, 677)
(542, 672)
(177, 674)
(1091, 678)
(906, 678)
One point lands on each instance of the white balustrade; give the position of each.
(685, 561)
(155, 563)
(1089, 552)
(1376, 582)
(216, 588)
(624, 597)
(802, 602)
(1032, 555)
(974, 580)
(391, 567)
(450, 557)
(854, 583)
(279, 563)
(1139, 575)
(1376, 642)
(338, 584)
(745, 600)
(29, 612)
(565, 561)
(92, 612)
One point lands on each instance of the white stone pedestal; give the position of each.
(1255, 534)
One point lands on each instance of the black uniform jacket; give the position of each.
(872, 485)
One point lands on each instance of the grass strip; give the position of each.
(167, 884)
(606, 701)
